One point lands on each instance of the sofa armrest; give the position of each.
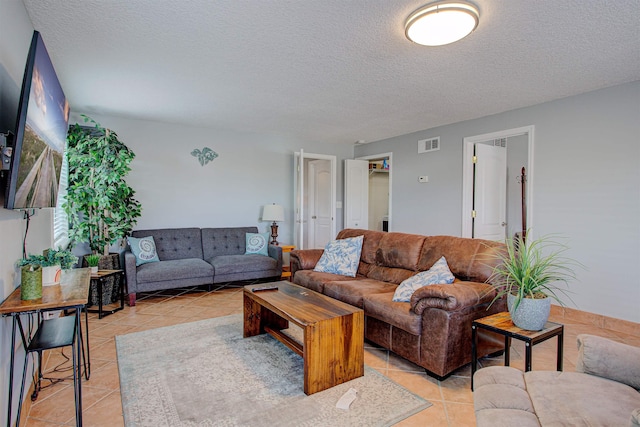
(609, 359)
(275, 252)
(453, 297)
(304, 259)
(130, 271)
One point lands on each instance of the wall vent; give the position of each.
(428, 145)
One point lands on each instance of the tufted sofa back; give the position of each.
(225, 241)
(175, 243)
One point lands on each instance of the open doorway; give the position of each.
(379, 201)
(485, 212)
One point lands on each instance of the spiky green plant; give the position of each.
(92, 260)
(531, 268)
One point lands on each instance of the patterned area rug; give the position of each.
(205, 374)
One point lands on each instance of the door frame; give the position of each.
(467, 172)
(298, 209)
(390, 157)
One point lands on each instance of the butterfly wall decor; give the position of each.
(204, 156)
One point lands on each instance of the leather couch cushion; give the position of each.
(468, 259)
(178, 269)
(400, 250)
(353, 291)
(315, 280)
(369, 245)
(398, 314)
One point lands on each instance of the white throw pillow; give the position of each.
(341, 256)
(439, 273)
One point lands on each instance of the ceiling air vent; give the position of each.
(428, 145)
(500, 142)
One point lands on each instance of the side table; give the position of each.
(70, 294)
(99, 279)
(501, 323)
(286, 269)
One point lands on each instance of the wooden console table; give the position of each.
(71, 294)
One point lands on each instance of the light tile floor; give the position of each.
(452, 398)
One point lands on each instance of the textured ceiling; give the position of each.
(328, 70)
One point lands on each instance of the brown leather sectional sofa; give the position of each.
(434, 329)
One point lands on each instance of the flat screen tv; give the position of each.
(40, 134)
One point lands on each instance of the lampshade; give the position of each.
(273, 213)
(441, 23)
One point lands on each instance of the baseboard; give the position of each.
(604, 322)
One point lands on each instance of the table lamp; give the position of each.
(273, 213)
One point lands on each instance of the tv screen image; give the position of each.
(40, 137)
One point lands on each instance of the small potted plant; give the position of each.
(92, 262)
(531, 273)
(52, 262)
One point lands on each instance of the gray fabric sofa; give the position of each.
(604, 390)
(198, 256)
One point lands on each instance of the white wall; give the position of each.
(250, 171)
(15, 36)
(586, 186)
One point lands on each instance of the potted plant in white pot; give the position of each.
(92, 262)
(531, 273)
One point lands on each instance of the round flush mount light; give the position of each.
(441, 23)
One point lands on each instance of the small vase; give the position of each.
(51, 275)
(532, 314)
(94, 270)
(30, 282)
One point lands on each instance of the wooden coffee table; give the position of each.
(333, 331)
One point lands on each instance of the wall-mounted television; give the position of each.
(40, 134)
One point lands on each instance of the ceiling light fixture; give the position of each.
(441, 23)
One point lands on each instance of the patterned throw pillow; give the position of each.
(341, 256)
(144, 249)
(439, 273)
(257, 243)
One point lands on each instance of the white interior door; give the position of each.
(490, 192)
(356, 194)
(298, 199)
(319, 213)
(326, 193)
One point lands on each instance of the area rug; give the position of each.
(205, 374)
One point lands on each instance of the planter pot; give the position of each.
(532, 314)
(30, 282)
(51, 275)
(94, 270)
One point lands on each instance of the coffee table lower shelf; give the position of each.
(333, 332)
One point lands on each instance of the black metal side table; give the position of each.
(70, 294)
(99, 279)
(501, 323)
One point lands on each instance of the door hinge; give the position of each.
(473, 214)
(474, 160)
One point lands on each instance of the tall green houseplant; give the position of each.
(101, 206)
